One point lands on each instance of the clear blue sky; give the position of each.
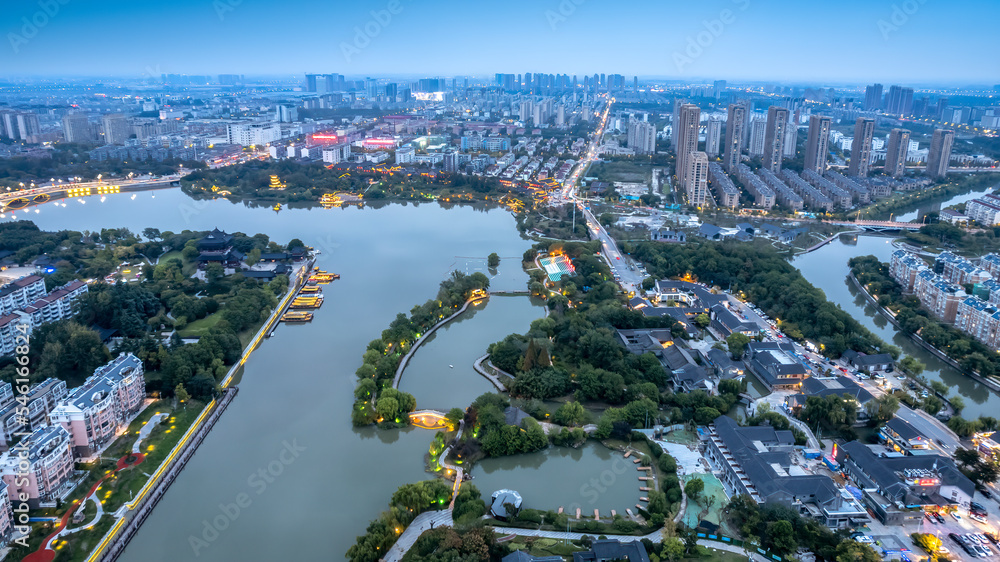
(794, 40)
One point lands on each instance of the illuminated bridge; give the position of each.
(15, 200)
(878, 226)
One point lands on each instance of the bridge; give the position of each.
(20, 199)
(878, 226)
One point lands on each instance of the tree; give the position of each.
(493, 260)
(571, 414)
(882, 409)
(967, 457)
(927, 541)
(454, 416)
(702, 321)
(911, 366)
(781, 537)
(851, 551)
(694, 488)
(957, 403)
(737, 344)
(673, 549)
(181, 394)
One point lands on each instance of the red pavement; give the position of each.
(46, 554)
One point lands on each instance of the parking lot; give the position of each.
(942, 530)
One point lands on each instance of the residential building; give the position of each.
(687, 139)
(734, 136)
(959, 270)
(859, 193)
(840, 197)
(757, 461)
(904, 267)
(340, 152)
(696, 178)
(895, 488)
(405, 155)
(57, 305)
(77, 128)
(41, 399)
(980, 319)
(713, 137)
(763, 195)
(811, 196)
(939, 154)
(19, 125)
(726, 193)
(873, 97)
(641, 137)
(774, 137)
(20, 293)
(896, 151)
(39, 466)
(783, 194)
(861, 148)
(253, 134)
(937, 295)
(991, 263)
(117, 128)
(6, 514)
(899, 100)
(816, 143)
(758, 135)
(984, 210)
(94, 413)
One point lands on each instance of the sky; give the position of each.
(919, 42)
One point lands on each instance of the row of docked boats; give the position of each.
(309, 297)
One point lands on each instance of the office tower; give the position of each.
(873, 97)
(311, 82)
(774, 137)
(604, 82)
(940, 153)
(734, 136)
(758, 130)
(899, 101)
(713, 137)
(687, 135)
(816, 143)
(76, 128)
(286, 113)
(392, 90)
(861, 147)
(696, 178)
(19, 125)
(635, 83)
(116, 128)
(718, 87)
(895, 152)
(641, 137)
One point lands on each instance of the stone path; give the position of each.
(423, 522)
(489, 372)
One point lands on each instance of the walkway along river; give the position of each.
(299, 386)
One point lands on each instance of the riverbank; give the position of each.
(992, 385)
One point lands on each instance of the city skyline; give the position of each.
(732, 39)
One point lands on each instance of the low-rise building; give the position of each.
(606, 550)
(39, 465)
(41, 399)
(757, 461)
(94, 412)
(57, 305)
(904, 267)
(20, 293)
(726, 322)
(776, 365)
(898, 489)
(900, 436)
(868, 362)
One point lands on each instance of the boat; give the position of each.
(306, 302)
(296, 316)
(322, 278)
(310, 290)
(277, 207)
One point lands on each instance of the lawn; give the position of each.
(709, 555)
(681, 437)
(624, 171)
(710, 503)
(200, 327)
(188, 268)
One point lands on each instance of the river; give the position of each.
(296, 390)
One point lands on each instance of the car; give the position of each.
(944, 550)
(986, 493)
(618, 257)
(956, 516)
(939, 518)
(981, 537)
(954, 537)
